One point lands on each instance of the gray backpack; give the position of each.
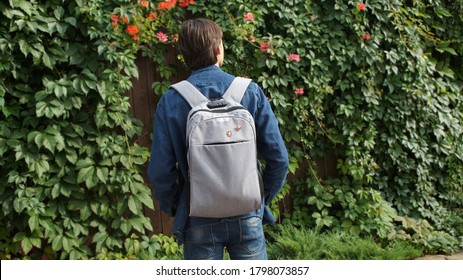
(222, 154)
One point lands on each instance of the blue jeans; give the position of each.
(243, 237)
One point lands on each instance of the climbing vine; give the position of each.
(375, 85)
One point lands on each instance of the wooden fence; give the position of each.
(143, 102)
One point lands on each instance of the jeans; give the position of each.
(243, 237)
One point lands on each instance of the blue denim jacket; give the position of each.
(168, 168)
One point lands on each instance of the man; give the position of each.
(205, 238)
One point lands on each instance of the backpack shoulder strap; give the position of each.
(189, 92)
(237, 89)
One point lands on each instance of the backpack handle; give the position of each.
(237, 89)
(194, 97)
(189, 92)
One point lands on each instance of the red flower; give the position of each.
(185, 3)
(166, 5)
(361, 6)
(162, 37)
(294, 57)
(132, 30)
(248, 17)
(264, 47)
(144, 3)
(115, 18)
(152, 16)
(299, 91)
(125, 19)
(366, 36)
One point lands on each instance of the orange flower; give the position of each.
(166, 5)
(361, 6)
(132, 30)
(144, 3)
(185, 3)
(152, 16)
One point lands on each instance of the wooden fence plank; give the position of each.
(143, 104)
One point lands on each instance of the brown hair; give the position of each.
(199, 40)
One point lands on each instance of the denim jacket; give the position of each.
(168, 168)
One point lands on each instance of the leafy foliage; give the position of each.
(293, 243)
(377, 86)
(71, 184)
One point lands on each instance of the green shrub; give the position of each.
(70, 180)
(156, 247)
(379, 90)
(292, 243)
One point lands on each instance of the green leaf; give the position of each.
(137, 224)
(34, 222)
(26, 245)
(67, 244)
(85, 173)
(23, 5)
(47, 61)
(55, 192)
(36, 242)
(40, 167)
(85, 212)
(312, 200)
(443, 49)
(48, 142)
(102, 174)
(71, 20)
(100, 237)
(133, 205)
(126, 227)
(59, 12)
(57, 243)
(145, 199)
(60, 91)
(71, 156)
(84, 163)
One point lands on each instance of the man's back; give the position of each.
(168, 167)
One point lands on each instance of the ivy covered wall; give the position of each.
(377, 85)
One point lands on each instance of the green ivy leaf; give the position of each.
(145, 199)
(84, 163)
(47, 61)
(134, 204)
(23, 5)
(86, 175)
(102, 174)
(26, 245)
(34, 222)
(100, 237)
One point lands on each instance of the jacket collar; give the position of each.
(208, 68)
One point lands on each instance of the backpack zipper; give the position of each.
(218, 111)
